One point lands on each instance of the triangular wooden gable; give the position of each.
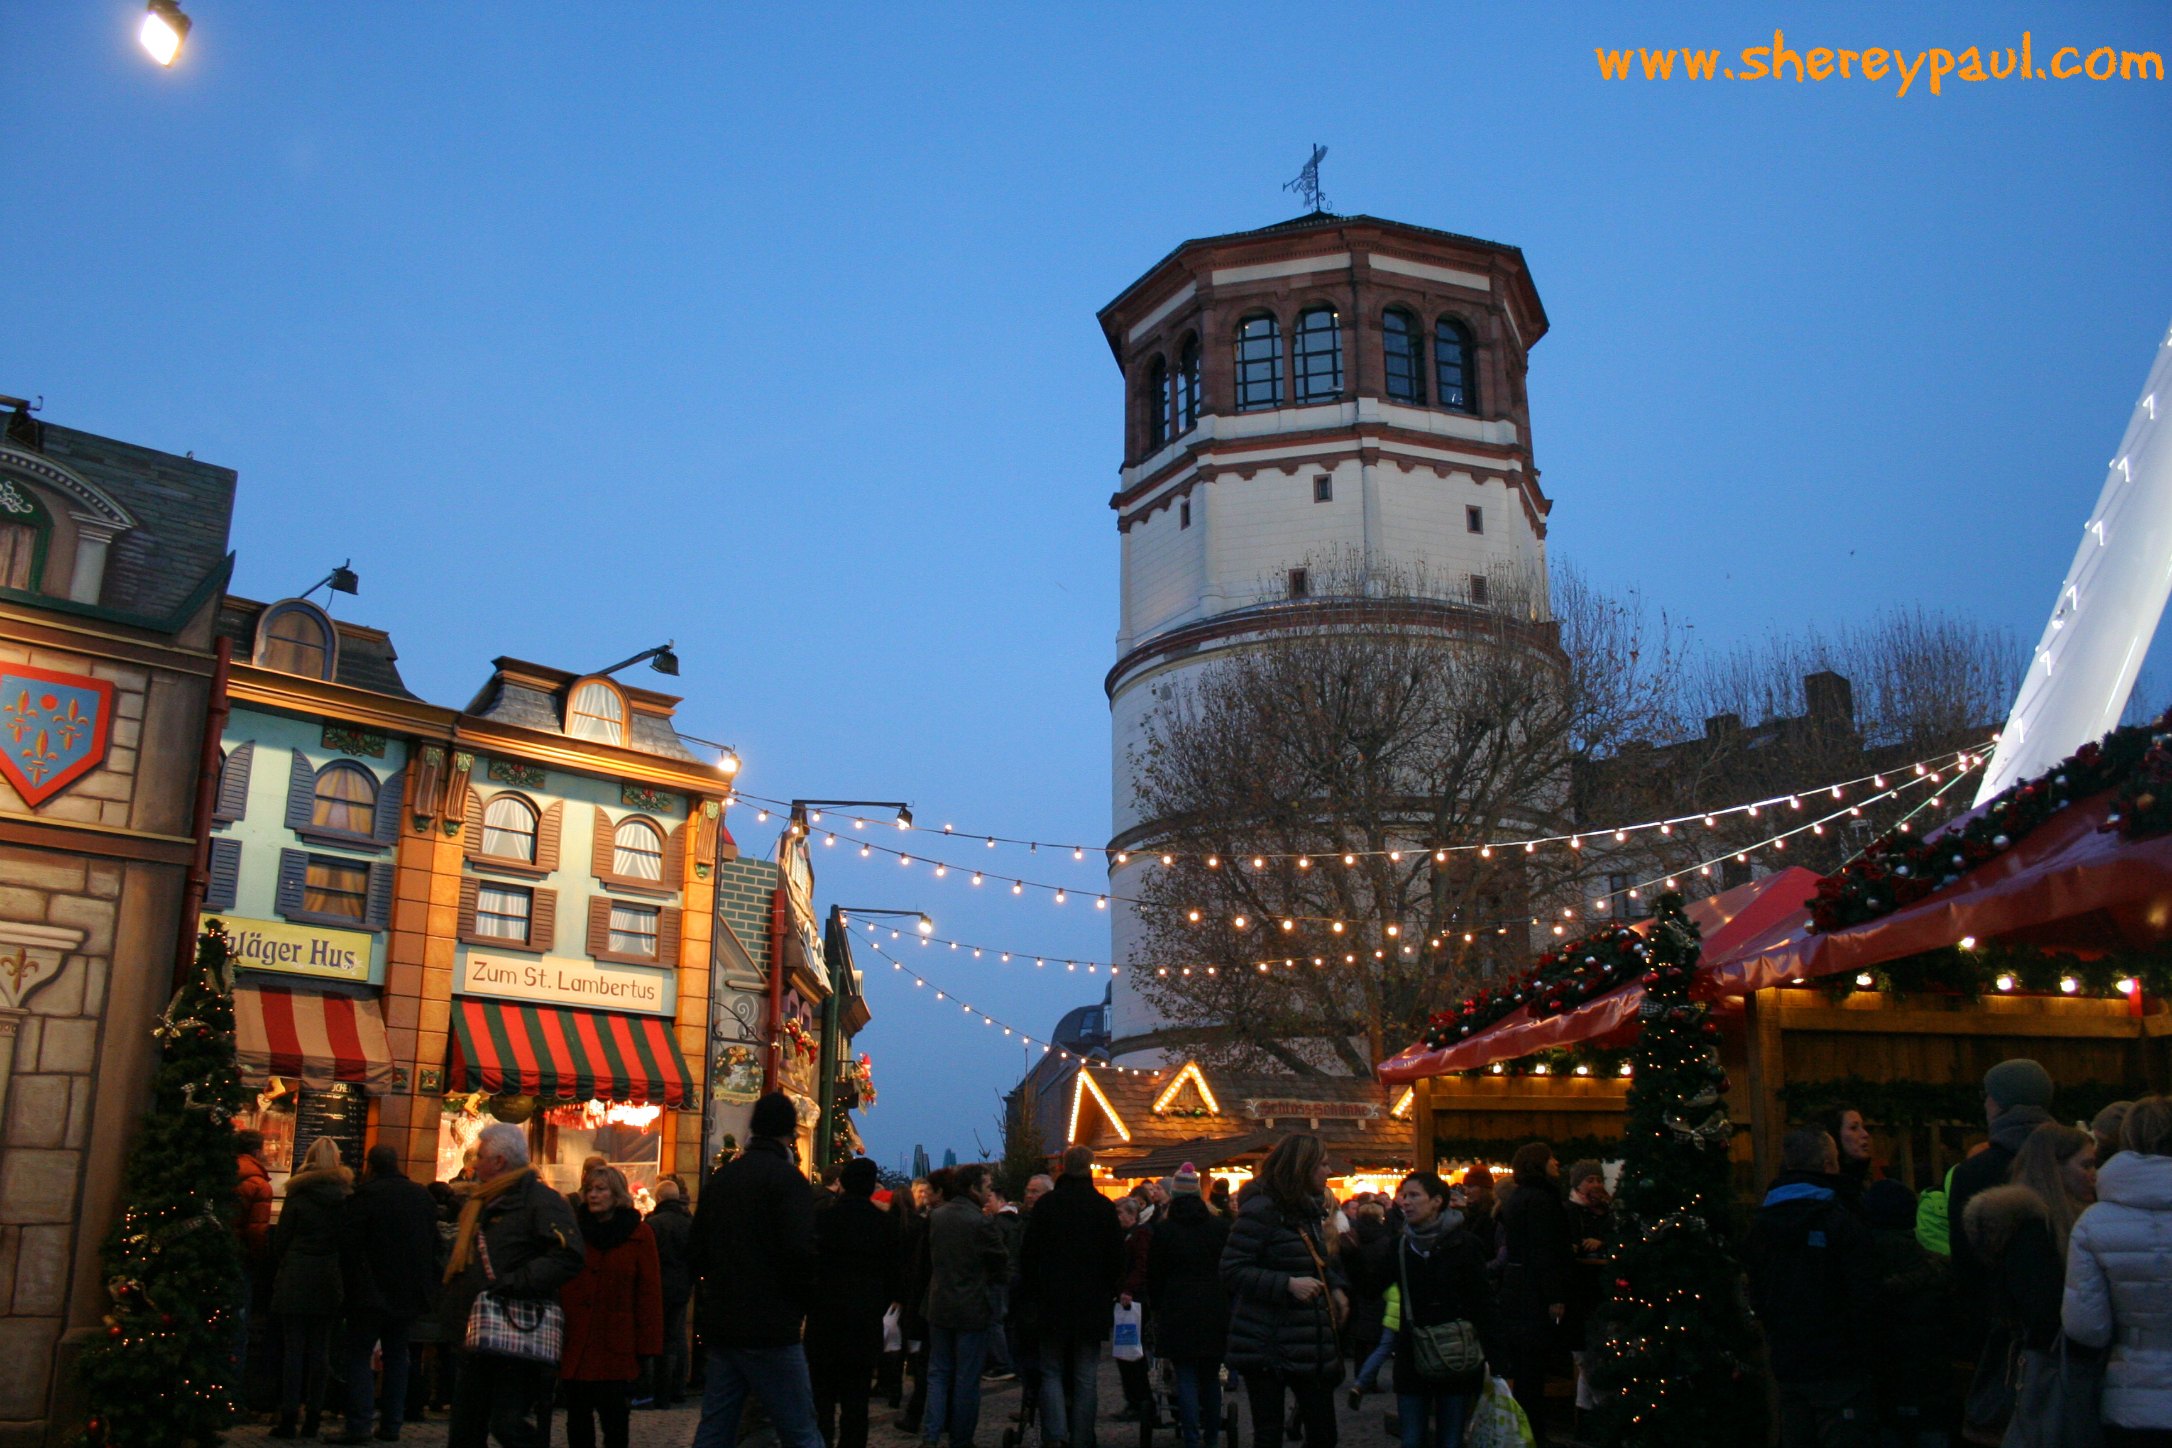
(1090, 1111)
(1175, 1098)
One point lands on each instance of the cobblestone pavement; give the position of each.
(1364, 1427)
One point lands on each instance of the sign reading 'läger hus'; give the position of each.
(567, 981)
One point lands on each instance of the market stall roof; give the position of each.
(2075, 883)
(1203, 1152)
(500, 1046)
(1134, 1119)
(312, 1039)
(1727, 921)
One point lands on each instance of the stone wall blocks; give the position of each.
(37, 870)
(17, 903)
(79, 1113)
(70, 1047)
(26, 1357)
(93, 917)
(38, 1111)
(95, 973)
(37, 1187)
(62, 995)
(41, 1270)
(104, 881)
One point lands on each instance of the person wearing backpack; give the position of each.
(1813, 1283)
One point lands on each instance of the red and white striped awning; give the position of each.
(312, 1040)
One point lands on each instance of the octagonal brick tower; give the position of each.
(1330, 398)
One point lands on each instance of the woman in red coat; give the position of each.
(614, 1312)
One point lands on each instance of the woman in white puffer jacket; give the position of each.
(2119, 1278)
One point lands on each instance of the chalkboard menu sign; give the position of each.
(341, 1112)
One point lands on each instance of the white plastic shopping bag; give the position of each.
(1125, 1343)
(893, 1336)
(1499, 1421)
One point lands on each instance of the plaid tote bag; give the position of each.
(534, 1331)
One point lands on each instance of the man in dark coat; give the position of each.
(754, 1253)
(1814, 1284)
(1191, 1307)
(2016, 1100)
(390, 1251)
(1069, 1264)
(856, 1280)
(527, 1232)
(672, 1224)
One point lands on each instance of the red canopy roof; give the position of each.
(2075, 884)
(1727, 921)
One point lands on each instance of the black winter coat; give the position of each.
(1981, 1172)
(856, 1280)
(1910, 1351)
(390, 1230)
(914, 1271)
(1534, 1225)
(2009, 1229)
(1184, 1282)
(673, 1227)
(966, 1262)
(1071, 1260)
(754, 1252)
(535, 1249)
(1364, 1242)
(1447, 1284)
(1268, 1328)
(309, 1279)
(1813, 1280)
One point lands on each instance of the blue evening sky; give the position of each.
(771, 330)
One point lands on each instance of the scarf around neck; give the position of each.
(604, 1233)
(471, 1216)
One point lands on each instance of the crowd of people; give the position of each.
(2026, 1299)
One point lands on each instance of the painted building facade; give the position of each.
(112, 561)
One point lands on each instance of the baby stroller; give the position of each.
(1019, 1430)
(1164, 1416)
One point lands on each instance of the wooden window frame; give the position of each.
(550, 822)
(542, 916)
(302, 802)
(625, 712)
(669, 920)
(376, 900)
(603, 856)
(281, 609)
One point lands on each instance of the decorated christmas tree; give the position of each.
(1673, 1365)
(163, 1374)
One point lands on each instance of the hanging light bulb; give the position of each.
(164, 28)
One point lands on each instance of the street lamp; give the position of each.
(660, 658)
(923, 924)
(904, 811)
(727, 763)
(342, 579)
(164, 28)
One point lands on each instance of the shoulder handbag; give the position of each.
(531, 1331)
(1990, 1400)
(1327, 1290)
(1441, 1350)
(2056, 1399)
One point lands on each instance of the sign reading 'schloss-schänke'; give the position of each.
(569, 981)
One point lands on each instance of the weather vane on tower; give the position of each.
(1307, 183)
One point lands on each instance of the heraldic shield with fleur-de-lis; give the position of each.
(54, 729)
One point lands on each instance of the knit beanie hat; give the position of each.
(1888, 1203)
(2019, 1082)
(774, 1115)
(1583, 1171)
(1186, 1181)
(859, 1178)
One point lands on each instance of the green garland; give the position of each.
(1996, 968)
(1911, 1104)
(1597, 1061)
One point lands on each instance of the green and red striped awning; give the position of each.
(502, 1046)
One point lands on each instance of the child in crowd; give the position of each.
(1391, 1322)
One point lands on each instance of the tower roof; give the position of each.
(1318, 221)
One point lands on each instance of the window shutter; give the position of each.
(546, 837)
(604, 852)
(474, 846)
(543, 920)
(301, 793)
(234, 782)
(470, 891)
(386, 826)
(599, 925)
(225, 875)
(667, 936)
(675, 857)
(377, 909)
(293, 879)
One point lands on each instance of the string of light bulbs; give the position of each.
(1469, 930)
(966, 1008)
(1079, 852)
(1061, 894)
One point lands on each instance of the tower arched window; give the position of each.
(1455, 378)
(1187, 385)
(346, 800)
(1402, 349)
(596, 711)
(1316, 355)
(296, 638)
(1259, 364)
(1155, 399)
(25, 529)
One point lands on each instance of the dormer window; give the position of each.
(24, 528)
(597, 710)
(296, 638)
